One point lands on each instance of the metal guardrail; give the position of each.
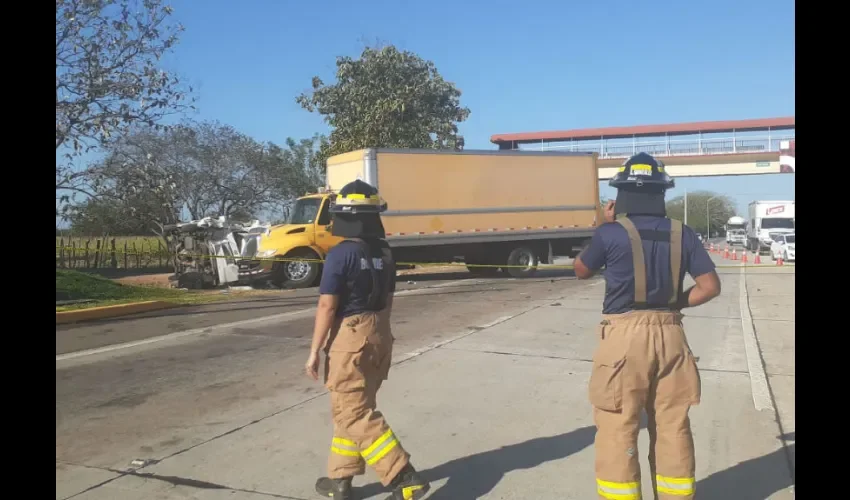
(672, 147)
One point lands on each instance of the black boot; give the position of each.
(408, 485)
(340, 489)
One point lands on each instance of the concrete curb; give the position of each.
(63, 317)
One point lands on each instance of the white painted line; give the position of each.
(224, 326)
(437, 345)
(185, 333)
(417, 291)
(758, 378)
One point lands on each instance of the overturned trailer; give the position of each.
(207, 252)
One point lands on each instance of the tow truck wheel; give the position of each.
(295, 273)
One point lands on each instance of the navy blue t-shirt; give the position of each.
(343, 264)
(610, 247)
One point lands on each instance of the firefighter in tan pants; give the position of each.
(643, 361)
(353, 326)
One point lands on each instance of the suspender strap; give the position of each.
(636, 242)
(637, 260)
(675, 256)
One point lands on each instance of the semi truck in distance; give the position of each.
(736, 231)
(486, 208)
(766, 219)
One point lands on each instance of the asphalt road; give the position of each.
(180, 390)
(489, 390)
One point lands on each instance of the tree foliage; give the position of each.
(108, 77)
(386, 98)
(719, 209)
(152, 177)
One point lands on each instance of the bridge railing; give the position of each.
(672, 147)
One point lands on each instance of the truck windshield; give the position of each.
(305, 211)
(777, 223)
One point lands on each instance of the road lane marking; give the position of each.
(438, 344)
(184, 333)
(755, 367)
(235, 324)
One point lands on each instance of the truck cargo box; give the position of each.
(432, 193)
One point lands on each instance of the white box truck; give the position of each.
(766, 219)
(736, 231)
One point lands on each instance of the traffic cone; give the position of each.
(757, 260)
(734, 254)
(744, 256)
(726, 252)
(711, 248)
(779, 261)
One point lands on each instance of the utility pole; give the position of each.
(708, 217)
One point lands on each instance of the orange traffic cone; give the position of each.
(726, 252)
(744, 256)
(734, 254)
(779, 261)
(711, 248)
(757, 260)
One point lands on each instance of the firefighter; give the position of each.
(643, 361)
(353, 327)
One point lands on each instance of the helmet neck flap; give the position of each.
(640, 202)
(363, 226)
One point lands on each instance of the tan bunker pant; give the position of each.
(358, 361)
(643, 362)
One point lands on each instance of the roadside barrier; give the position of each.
(420, 264)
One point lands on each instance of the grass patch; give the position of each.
(73, 285)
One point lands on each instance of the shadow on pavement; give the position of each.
(476, 475)
(754, 479)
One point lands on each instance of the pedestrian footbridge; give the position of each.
(732, 147)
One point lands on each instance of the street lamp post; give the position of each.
(708, 216)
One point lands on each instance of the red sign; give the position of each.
(776, 210)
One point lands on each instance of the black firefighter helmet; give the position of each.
(358, 197)
(642, 170)
(641, 183)
(357, 210)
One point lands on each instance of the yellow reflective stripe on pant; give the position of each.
(618, 491)
(680, 486)
(345, 447)
(380, 447)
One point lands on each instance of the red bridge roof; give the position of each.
(647, 130)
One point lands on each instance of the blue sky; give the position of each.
(522, 66)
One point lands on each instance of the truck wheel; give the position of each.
(525, 257)
(297, 274)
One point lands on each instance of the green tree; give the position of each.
(386, 98)
(109, 78)
(102, 216)
(152, 177)
(720, 208)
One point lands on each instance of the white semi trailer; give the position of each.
(766, 219)
(736, 231)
